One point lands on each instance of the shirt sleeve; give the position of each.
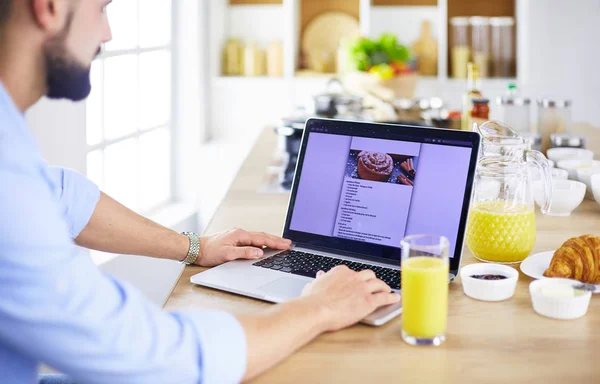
(58, 308)
(77, 196)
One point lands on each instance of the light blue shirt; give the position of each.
(57, 308)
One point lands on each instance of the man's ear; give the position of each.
(50, 15)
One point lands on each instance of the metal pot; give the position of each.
(336, 102)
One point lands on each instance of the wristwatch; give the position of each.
(194, 249)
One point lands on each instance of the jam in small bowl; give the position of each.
(489, 282)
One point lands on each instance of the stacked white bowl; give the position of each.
(571, 179)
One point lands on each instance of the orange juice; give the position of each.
(501, 232)
(424, 296)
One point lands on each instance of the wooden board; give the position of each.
(481, 8)
(309, 9)
(421, 3)
(254, 2)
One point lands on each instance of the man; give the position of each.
(56, 307)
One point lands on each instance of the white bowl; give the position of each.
(489, 290)
(595, 181)
(558, 154)
(566, 196)
(561, 308)
(574, 165)
(551, 163)
(585, 176)
(557, 174)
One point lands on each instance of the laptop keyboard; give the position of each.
(307, 264)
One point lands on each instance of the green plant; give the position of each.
(364, 54)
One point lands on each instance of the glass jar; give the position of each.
(480, 43)
(501, 226)
(515, 112)
(503, 53)
(233, 58)
(480, 113)
(565, 140)
(461, 50)
(554, 116)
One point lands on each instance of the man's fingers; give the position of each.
(259, 239)
(376, 285)
(235, 253)
(339, 269)
(383, 298)
(265, 239)
(366, 274)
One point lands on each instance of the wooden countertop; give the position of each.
(486, 342)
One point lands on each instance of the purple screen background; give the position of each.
(437, 196)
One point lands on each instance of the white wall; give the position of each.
(563, 53)
(404, 22)
(263, 23)
(59, 127)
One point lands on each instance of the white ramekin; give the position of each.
(560, 308)
(489, 290)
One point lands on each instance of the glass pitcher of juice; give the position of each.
(501, 226)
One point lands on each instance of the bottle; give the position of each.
(480, 113)
(275, 59)
(426, 49)
(473, 92)
(232, 62)
(512, 91)
(513, 110)
(254, 60)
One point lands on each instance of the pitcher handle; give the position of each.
(541, 162)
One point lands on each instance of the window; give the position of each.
(129, 124)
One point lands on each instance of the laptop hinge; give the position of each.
(345, 253)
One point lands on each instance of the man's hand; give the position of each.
(335, 300)
(346, 297)
(237, 244)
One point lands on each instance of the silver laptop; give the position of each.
(359, 188)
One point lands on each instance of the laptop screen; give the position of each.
(376, 191)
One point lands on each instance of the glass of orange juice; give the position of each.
(425, 272)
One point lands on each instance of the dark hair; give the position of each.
(5, 8)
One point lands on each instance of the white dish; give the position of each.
(595, 181)
(535, 265)
(566, 196)
(558, 154)
(585, 176)
(572, 166)
(489, 290)
(546, 300)
(557, 174)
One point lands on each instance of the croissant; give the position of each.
(578, 258)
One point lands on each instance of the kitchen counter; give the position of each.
(486, 342)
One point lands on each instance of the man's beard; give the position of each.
(65, 77)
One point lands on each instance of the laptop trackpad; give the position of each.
(284, 288)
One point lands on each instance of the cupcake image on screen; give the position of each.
(382, 167)
(375, 166)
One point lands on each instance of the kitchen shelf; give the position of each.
(496, 8)
(284, 20)
(419, 3)
(307, 73)
(254, 2)
(257, 80)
